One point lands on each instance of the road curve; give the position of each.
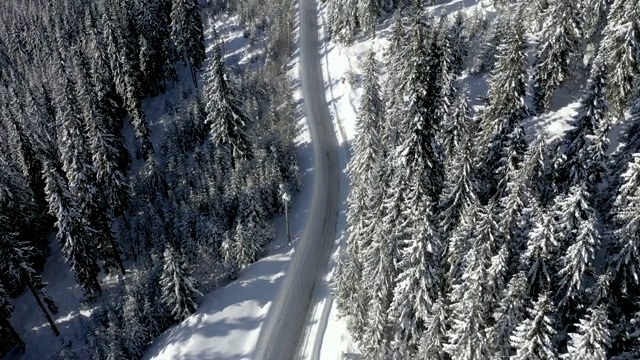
(287, 316)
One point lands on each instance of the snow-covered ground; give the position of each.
(227, 324)
(246, 300)
(229, 320)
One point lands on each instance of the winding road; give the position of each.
(287, 317)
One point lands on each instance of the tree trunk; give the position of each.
(4, 323)
(41, 304)
(116, 254)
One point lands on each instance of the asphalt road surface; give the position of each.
(285, 322)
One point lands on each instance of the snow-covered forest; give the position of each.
(133, 151)
(472, 233)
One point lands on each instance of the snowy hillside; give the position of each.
(486, 213)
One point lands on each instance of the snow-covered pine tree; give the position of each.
(451, 56)
(226, 119)
(368, 12)
(501, 121)
(538, 258)
(72, 235)
(366, 153)
(102, 144)
(486, 57)
(419, 280)
(363, 202)
(377, 281)
(187, 33)
(17, 262)
(393, 228)
(251, 233)
(532, 338)
(420, 180)
(620, 53)
(577, 264)
(156, 53)
(134, 333)
(596, 12)
(509, 313)
(558, 53)
(178, 288)
(92, 202)
(460, 189)
(343, 19)
(624, 245)
(574, 163)
(126, 77)
(629, 144)
(419, 123)
(434, 337)
(592, 337)
(395, 52)
(470, 299)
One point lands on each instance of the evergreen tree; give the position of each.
(460, 189)
(509, 313)
(501, 121)
(368, 12)
(624, 246)
(532, 338)
(156, 53)
(574, 165)
(364, 170)
(379, 278)
(559, 50)
(458, 128)
(538, 258)
(72, 235)
(471, 298)
(178, 288)
(226, 118)
(126, 77)
(578, 262)
(629, 143)
(620, 52)
(134, 332)
(435, 334)
(343, 19)
(187, 33)
(419, 280)
(592, 338)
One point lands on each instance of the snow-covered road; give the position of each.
(287, 317)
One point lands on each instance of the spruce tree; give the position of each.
(538, 258)
(226, 119)
(501, 121)
(629, 143)
(573, 165)
(178, 288)
(532, 338)
(471, 299)
(624, 245)
(187, 33)
(592, 338)
(578, 261)
(559, 50)
(509, 313)
(435, 334)
(619, 52)
(72, 235)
